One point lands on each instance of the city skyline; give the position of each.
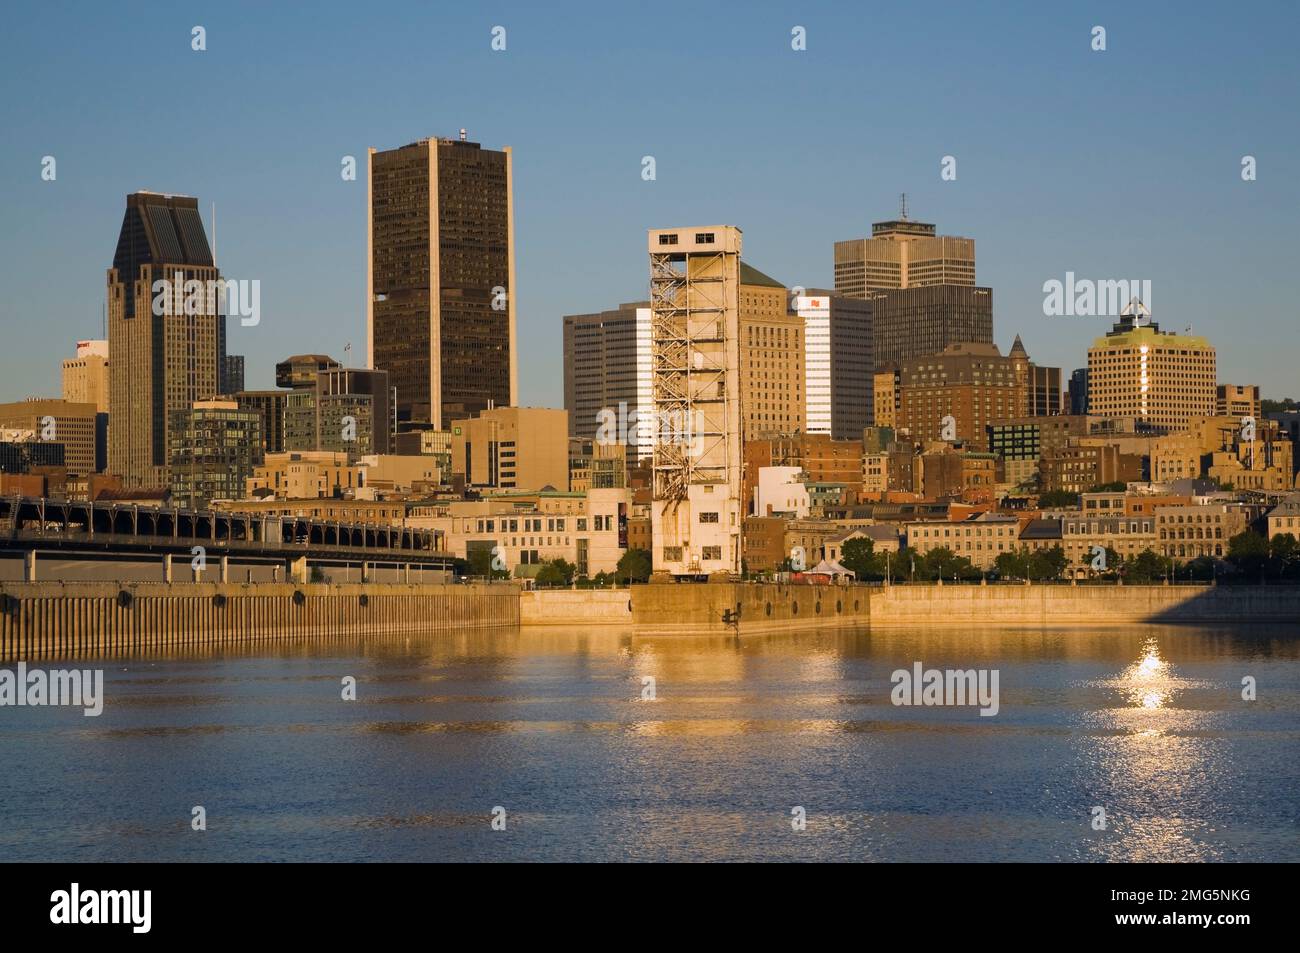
(287, 218)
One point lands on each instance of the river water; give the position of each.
(1146, 723)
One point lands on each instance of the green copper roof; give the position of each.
(752, 276)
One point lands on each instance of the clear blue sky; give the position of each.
(1111, 165)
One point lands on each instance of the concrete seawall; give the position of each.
(1048, 605)
(667, 608)
(576, 607)
(55, 620)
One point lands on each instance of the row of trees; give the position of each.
(633, 566)
(1250, 557)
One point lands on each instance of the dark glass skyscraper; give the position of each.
(440, 267)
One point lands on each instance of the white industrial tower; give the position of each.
(695, 326)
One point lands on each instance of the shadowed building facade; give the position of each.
(440, 276)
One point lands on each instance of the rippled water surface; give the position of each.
(1146, 722)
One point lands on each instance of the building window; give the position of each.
(708, 517)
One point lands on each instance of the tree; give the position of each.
(860, 556)
(1047, 563)
(942, 563)
(1058, 499)
(634, 566)
(1286, 552)
(1248, 553)
(556, 572)
(1013, 565)
(480, 564)
(1119, 486)
(1146, 566)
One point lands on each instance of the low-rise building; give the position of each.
(1285, 518)
(1126, 535)
(522, 530)
(1186, 532)
(308, 475)
(980, 538)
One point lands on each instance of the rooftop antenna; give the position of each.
(902, 205)
(214, 234)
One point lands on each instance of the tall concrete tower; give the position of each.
(695, 328)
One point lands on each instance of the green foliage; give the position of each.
(1248, 553)
(1047, 563)
(480, 564)
(942, 563)
(860, 556)
(1146, 566)
(1058, 499)
(556, 572)
(634, 566)
(1039, 565)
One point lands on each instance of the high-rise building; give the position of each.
(902, 254)
(886, 394)
(347, 410)
(771, 358)
(1160, 378)
(972, 384)
(695, 509)
(232, 374)
(1078, 391)
(270, 406)
(912, 322)
(214, 448)
(302, 370)
(85, 377)
(838, 363)
(1234, 400)
(164, 342)
(79, 427)
(440, 278)
(513, 448)
(607, 376)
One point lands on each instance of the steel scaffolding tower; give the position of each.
(695, 306)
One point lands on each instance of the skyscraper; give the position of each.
(85, 377)
(921, 286)
(838, 363)
(607, 371)
(902, 254)
(164, 343)
(771, 358)
(913, 322)
(1159, 378)
(440, 278)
